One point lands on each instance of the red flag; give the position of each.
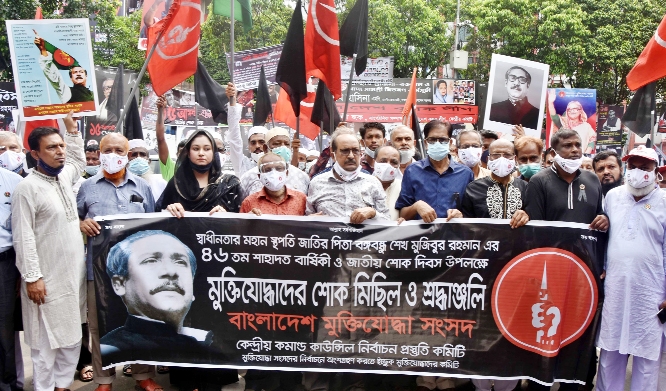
(285, 113)
(175, 58)
(29, 126)
(649, 66)
(322, 45)
(411, 101)
(38, 13)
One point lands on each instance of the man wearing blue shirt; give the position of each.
(433, 187)
(113, 190)
(8, 277)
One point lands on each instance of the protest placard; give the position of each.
(53, 67)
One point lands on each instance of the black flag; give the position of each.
(262, 106)
(210, 94)
(354, 35)
(116, 99)
(321, 109)
(132, 124)
(638, 114)
(290, 73)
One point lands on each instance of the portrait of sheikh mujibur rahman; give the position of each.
(153, 272)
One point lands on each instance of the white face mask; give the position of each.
(385, 172)
(223, 158)
(470, 156)
(406, 155)
(12, 160)
(568, 165)
(301, 166)
(273, 180)
(344, 174)
(370, 152)
(638, 178)
(256, 156)
(112, 163)
(502, 166)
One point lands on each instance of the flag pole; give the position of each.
(321, 135)
(352, 71)
(138, 78)
(331, 114)
(231, 44)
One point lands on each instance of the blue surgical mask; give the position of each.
(438, 151)
(138, 166)
(92, 170)
(283, 152)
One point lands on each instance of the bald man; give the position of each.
(113, 190)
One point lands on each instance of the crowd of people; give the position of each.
(50, 212)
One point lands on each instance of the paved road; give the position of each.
(124, 383)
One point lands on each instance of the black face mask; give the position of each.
(484, 156)
(200, 168)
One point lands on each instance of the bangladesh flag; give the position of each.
(61, 58)
(242, 11)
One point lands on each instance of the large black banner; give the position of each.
(471, 298)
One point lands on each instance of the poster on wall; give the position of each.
(609, 128)
(450, 91)
(53, 67)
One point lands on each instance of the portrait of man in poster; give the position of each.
(51, 60)
(153, 272)
(516, 108)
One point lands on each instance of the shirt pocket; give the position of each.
(367, 199)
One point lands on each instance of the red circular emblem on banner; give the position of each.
(544, 299)
(63, 58)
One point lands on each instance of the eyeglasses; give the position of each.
(520, 79)
(347, 151)
(465, 146)
(138, 154)
(499, 155)
(268, 167)
(432, 140)
(222, 150)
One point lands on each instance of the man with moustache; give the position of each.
(516, 109)
(607, 166)
(153, 272)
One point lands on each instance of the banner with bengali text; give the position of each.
(455, 299)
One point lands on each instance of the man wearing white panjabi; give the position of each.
(635, 284)
(49, 255)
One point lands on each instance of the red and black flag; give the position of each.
(354, 35)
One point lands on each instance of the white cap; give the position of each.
(137, 143)
(216, 135)
(313, 152)
(303, 151)
(642, 151)
(257, 130)
(276, 132)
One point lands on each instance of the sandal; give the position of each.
(161, 369)
(148, 385)
(86, 374)
(127, 370)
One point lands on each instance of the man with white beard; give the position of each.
(635, 287)
(402, 139)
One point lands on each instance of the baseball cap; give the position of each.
(642, 151)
